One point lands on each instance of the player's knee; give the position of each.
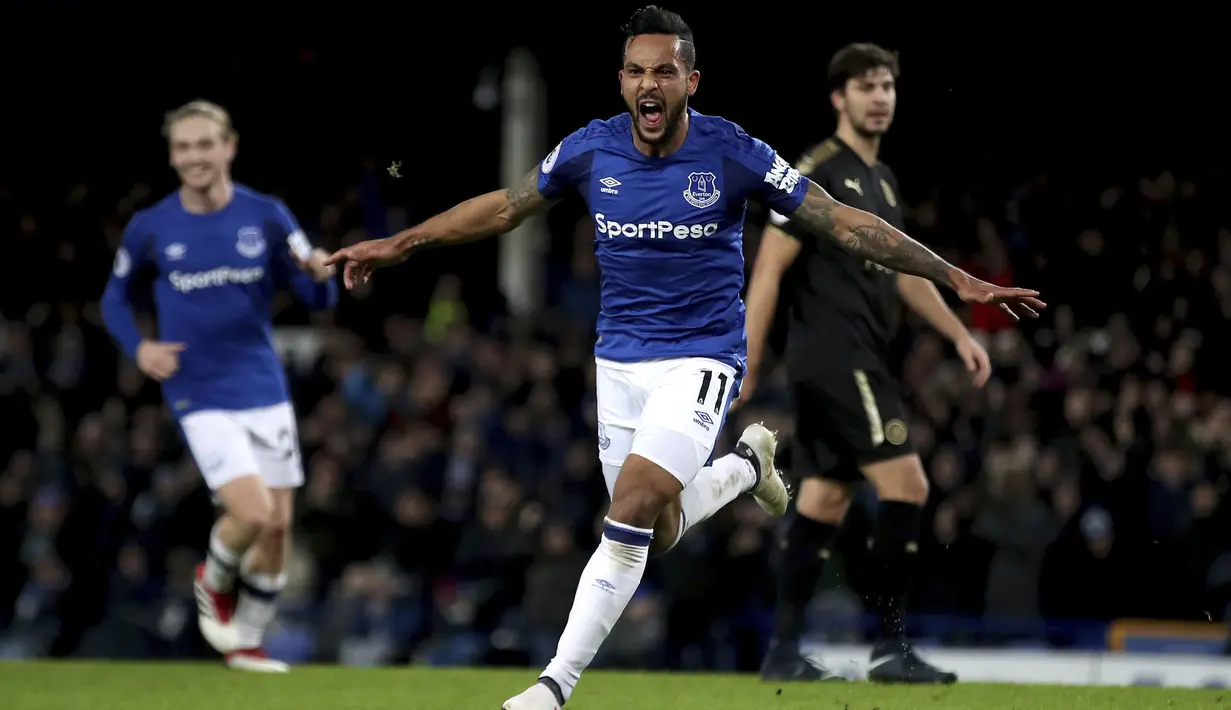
(901, 479)
(254, 518)
(249, 504)
(641, 493)
(277, 528)
(823, 500)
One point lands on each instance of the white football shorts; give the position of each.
(232, 444)
(667, 411)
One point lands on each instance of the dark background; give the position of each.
(985, 102)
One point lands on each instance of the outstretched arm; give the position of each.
(874, 239)
(483, 216)
(871, 237)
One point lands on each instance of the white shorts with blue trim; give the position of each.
(227, 445)
(666, 411)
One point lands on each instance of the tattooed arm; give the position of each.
(483, 216)
(778, 184)
(563, 169)
(869, 236)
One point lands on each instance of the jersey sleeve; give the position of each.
(117, 310)
(783, 221)
(768, 177)
(568, 164)
(818, 173)
(295, 245)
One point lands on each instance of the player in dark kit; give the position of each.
(667, 188)
(850, 420)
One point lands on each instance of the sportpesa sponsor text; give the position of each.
(658, 229)
(222, 276)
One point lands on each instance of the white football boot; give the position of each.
(536, 697)
(769, 491)
(255, 660)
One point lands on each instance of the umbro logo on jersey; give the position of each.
(175, 252)
(609, 185)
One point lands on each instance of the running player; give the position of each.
(667, 188)
(850, 421)
(219, 250)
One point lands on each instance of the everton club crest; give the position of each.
(250, 242)
(702, 190)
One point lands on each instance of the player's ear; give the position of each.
(694, 78)
(838, 99)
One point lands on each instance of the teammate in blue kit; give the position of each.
(219, 251)
(667, 188)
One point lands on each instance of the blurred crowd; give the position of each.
(453, 492)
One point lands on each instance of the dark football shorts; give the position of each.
(845, 420)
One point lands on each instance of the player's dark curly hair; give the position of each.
(858, 59)
(653, 20)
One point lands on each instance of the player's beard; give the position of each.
(869, 128)
(672, 119)
(868, 132)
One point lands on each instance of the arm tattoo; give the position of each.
(483, 216)
(524, 197)
(816, 211)
(868, 236)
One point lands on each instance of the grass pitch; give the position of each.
(192, 686)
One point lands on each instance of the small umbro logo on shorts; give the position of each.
(703, 420)
(609, 185)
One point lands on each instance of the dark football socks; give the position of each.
(799, 570)
(892, 564)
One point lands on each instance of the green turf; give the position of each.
(167, 686)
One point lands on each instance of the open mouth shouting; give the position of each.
(650, 112)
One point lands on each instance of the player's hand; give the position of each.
(365, 257)
(159, 360)
(978, 364)
(315, 266)
(1017, 302)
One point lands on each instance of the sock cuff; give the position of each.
(223, 555)
(264, 583)
(897, 526)
(555, 688)
(627, 534)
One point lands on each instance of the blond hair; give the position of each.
(204, 109)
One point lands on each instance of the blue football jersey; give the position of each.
(669, 232)
(213, 292)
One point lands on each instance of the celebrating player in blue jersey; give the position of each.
(219, 250)
(667, 188)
